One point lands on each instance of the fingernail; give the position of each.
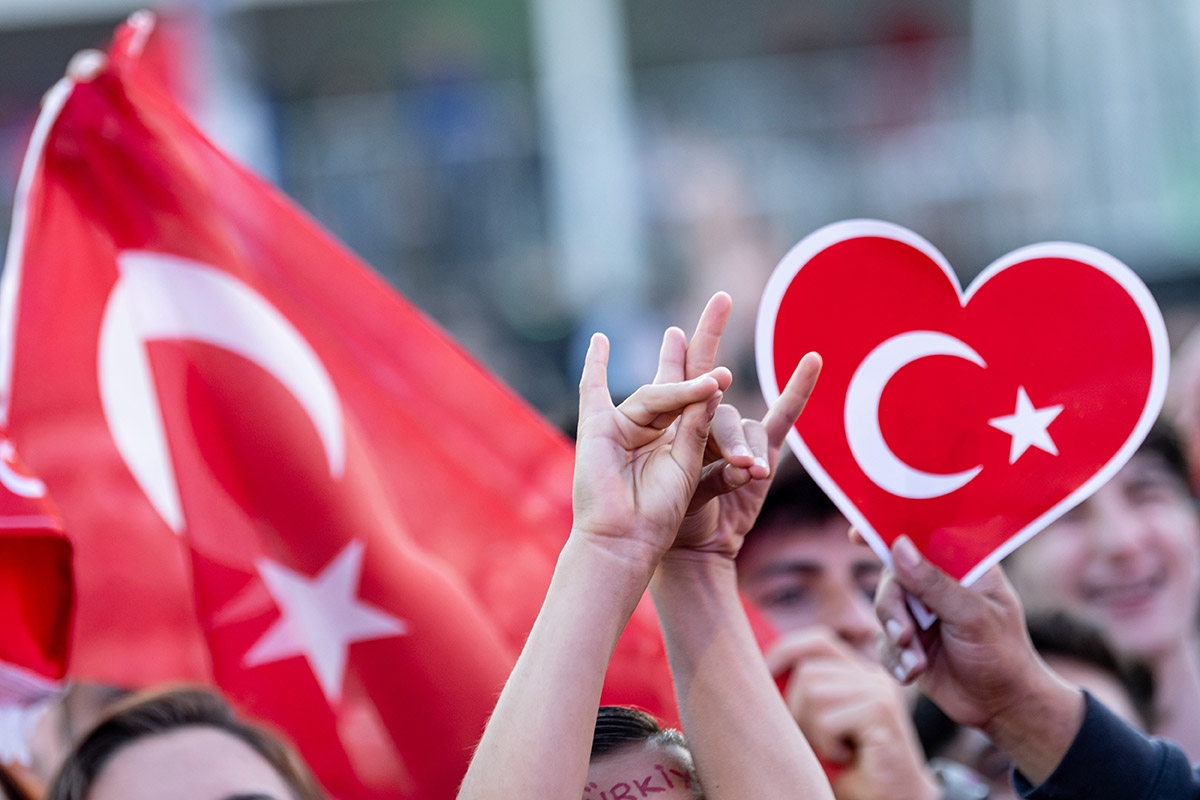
(904, 551)
(761, 462)
(894, 630)
(741, 451)
(908, 660)
(899, 673)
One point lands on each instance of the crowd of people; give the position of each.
(1071, 671)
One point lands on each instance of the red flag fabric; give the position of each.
(36, 601)
(36, 591)
(277, 474)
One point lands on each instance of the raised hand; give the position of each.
(637, 465)
(741, 454)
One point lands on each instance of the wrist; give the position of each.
(1037, 729)
(619, 552)
(696, 568)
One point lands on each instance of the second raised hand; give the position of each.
(740, 454)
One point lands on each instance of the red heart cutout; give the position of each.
(967, 420)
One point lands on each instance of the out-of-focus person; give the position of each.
(1182, 405)
(816, 587)
(1128, 560)
(184, 743)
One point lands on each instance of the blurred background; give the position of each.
(528, 171)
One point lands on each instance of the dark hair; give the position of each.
(1166, 442)
(621, 727)
(153, 713)
(793, 499)
(618, 727)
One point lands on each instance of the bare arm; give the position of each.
(636, 468)
(742, 736)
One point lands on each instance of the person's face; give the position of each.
(806, 575)
(192, 763)
(1127, 558)
(639, 770)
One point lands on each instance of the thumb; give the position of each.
(940, 593)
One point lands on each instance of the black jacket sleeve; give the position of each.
(1110, 759)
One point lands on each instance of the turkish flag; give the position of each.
(277, 474)
(37, 598)
(966, 420)
(37, 595)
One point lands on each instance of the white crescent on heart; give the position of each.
(871, 452)
(161, 297)
(863, 433)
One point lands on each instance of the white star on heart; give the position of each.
(320, 617)
(1027, 426)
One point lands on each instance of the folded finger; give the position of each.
(727, 437)
(900, 649)
(660, 403)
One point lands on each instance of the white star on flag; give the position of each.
(320, 617)
(1027, 426)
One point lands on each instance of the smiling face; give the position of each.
(641, 769)
(188, 763)
(803, 574)
(1127, 559)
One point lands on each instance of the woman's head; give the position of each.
(183, 743)
(633, 755)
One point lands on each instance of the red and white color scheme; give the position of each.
(277, 475)
(967, 420)
(37, 598)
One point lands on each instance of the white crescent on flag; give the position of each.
(160, 296)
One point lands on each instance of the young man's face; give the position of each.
(801, 575)
(1127, 559)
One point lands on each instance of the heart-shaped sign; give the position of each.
(967, 420)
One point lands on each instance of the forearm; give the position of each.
(741, 734)
(538, 739)
(1037, 729)
(1108, 758)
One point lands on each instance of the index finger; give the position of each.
(787, 407)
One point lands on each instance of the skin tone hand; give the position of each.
(854, 715)
(725, 692)
(741, 454)
(636, 468)
(637, 464)
(976, 662)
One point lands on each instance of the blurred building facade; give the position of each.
(529, 170)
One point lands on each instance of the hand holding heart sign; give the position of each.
(967, 420)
